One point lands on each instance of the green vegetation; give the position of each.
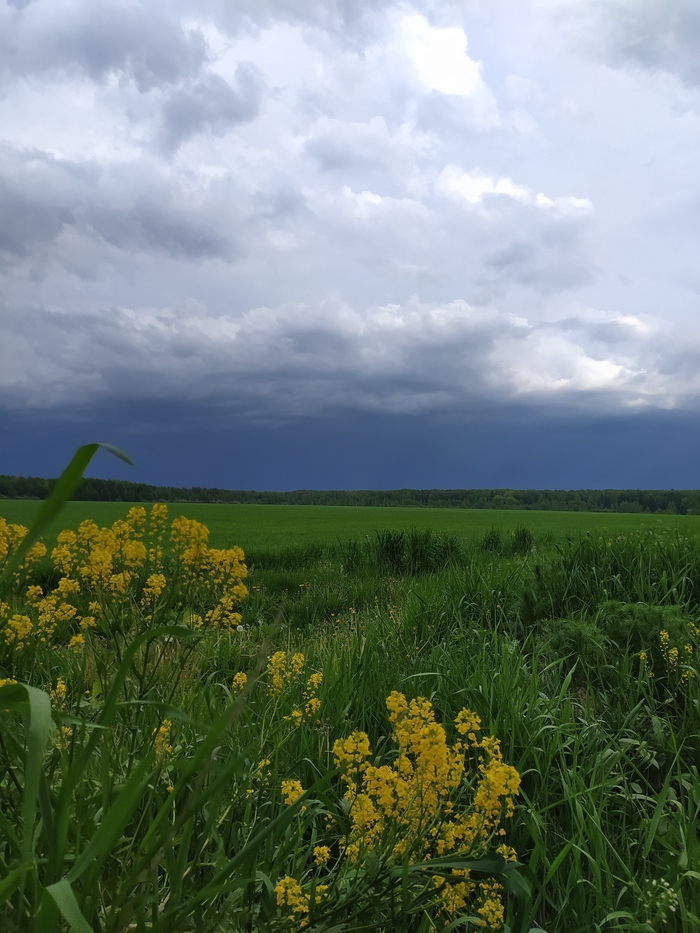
(161, 789)
(263, 528)
(648, 501)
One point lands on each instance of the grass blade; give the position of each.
(64, 898)
(35, 707)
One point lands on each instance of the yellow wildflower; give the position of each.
(321, 854)
(161, 739)
(239, 681)
(155, 584)
(291, 791)
(59, 692)
(468, 723)
(66, 586)
(290, 895)
(281, 670)
(76, 641)
(491, 907)
(18, 630)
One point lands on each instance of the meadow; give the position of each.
(275, 527)
(406, 720)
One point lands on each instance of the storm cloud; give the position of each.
(286, 210)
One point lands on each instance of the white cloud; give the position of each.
(440, 57)
(472, 186)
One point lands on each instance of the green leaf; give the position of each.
(658, 813)
(11, 882)
(35, 707)
(64, 898)
(62, 491)
(110, 829)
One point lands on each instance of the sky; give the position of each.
(274, 244)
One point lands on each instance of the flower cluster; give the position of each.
(161, 739)
(673, 656)
(11, 537)
(296, 904)
(431, 799)
(126, 569)
(409, 794)
(678, 654)
(281, 669)
(286, 673)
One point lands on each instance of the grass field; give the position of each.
(274, 527)
(159, 801)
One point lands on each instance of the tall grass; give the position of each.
(109, 820)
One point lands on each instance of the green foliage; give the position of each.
(649, 501)
(540, 636)
(264, 531)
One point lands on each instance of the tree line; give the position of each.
(664, 501)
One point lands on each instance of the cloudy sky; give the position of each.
(352, 243)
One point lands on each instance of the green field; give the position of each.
(164, 803)
(275, 527)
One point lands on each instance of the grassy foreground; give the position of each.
(219, 761)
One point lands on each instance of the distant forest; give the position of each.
(668, 501)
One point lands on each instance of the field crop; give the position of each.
(275, 527)
(410, 721)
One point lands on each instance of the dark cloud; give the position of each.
(27, 223)
(495, 448)
(657, 35)
(151, 226)
(43, 196)
(138, 40)
(211, 103)
(269, 209)
(351, 23)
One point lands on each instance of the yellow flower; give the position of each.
(239, 681)
(491, 908)
(291, 791)
(417, 802)
(467, 723)
(59, 692)
(314, 681)
(262, 772)
(290, 895)
(65, 736)
(312, 704)
(18, 630)
(161, 739)
(136, 518)
(295, 717)
(281, 670)
(76, 641)
(7, 681)
(352, 751)
(321, 854)
(155, 584)
(66, 586)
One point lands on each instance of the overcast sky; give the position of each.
(281, 243)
